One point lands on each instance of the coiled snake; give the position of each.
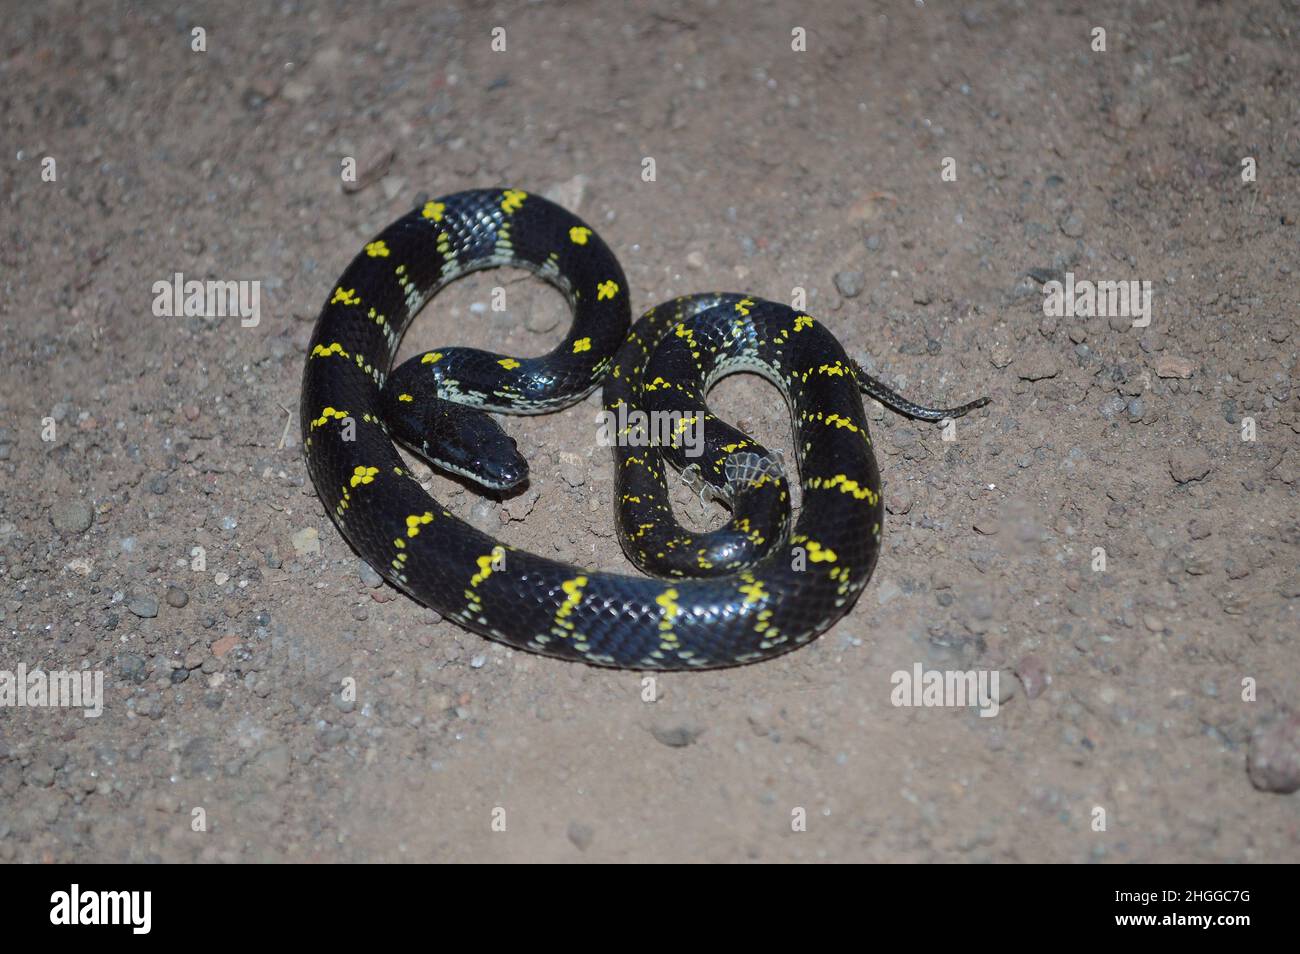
(750, 590)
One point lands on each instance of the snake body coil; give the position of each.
(752, 589)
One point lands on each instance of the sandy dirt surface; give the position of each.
(1117, 535)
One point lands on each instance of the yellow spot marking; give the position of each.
(322, 351)
(841, 422)
(484, 570)
(572, 596)
(802, 321)
(606, 289)
(744, 305)
(578, 234)
(512, 200)
(668, 600)
(415, 521)
(848, 486)
(377, 249)
(363, 475)
(819, 554)
(582, 344)
(405, 397)
(346, 296)
(434, 210)
(431, 357)
(508, 363)
(326, 414)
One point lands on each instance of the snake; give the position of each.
(762, 584)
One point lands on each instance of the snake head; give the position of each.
(481, 451)
(468, 442)
(453, 437)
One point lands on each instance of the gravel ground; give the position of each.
(1117, 535)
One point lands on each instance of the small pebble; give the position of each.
(143, 605)
(306, 541)
(677, 736)
(850, 284)
(581, 835)
(1188, 463)
(73, 515)
(1273, 762)
(1033, 675)
(369, 576)
(176, 597)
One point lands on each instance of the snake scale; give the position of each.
(749, 590)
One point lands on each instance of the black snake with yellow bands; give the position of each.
(750, 590)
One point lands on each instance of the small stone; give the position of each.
(73, 515)
(369, 576)
(573, 468)
(1172, 366)
(543, 316)
(306, 541)
(370, 169)
(676, 737)
(392, 187)
(224, 645)
(570, 193)
(898, 503)
(176, 597)
(850, 284)
(1154, 623)
(695, 260)
(143, 605)
(133, 667)
(1273, 762)
(484, 516)
(1112, 406)
(581, 835)
(1033, 675)
(1072, 225)
(1037, 367)
(1188, 463)
(40, 774)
